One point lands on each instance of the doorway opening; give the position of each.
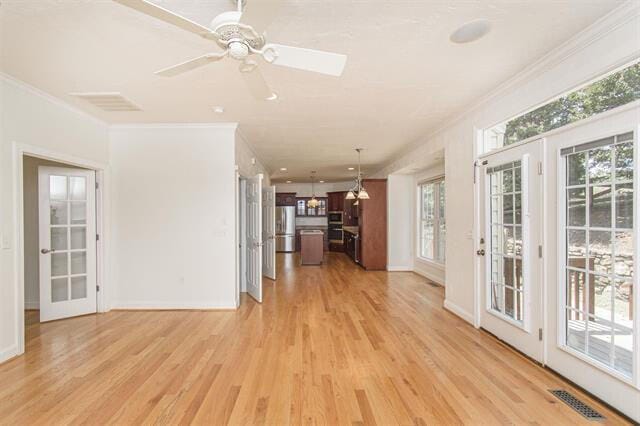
(59, 218)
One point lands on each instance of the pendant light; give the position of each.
(313, 202)
(358, 190)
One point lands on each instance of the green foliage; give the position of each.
(610, 92)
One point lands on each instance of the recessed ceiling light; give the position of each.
(321, 181)
(288, 181)
(218, 109)
(471, 31)
(283, 169)
(351, 168)
(273, 97)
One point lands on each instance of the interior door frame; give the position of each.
(102, 226)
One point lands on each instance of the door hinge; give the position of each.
(540, 251)
(97, 185)
(97, 237)
(97, 288)
(540, 167)
(540, 334)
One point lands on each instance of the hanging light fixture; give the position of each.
(313, 202)
(358, 190)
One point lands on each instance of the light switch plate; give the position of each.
(5, 242)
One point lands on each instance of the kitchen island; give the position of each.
(311, 247)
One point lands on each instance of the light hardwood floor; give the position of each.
(330, 345)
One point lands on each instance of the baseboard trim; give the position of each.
(164, 306)
(398, 268)
(429, 276)
(458, 311)
(32, 305)
(9, 353)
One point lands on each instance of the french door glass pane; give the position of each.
(78, 287)
(599, 253)
(59, 290)
(505, 245)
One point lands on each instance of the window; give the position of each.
(599, 254)
(505, 246)
(432, 220)
(610, 92)
(302, 209)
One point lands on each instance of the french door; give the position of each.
(269, 232)
(67, 229)
(254, 237)
(592, 257)
(511, 212)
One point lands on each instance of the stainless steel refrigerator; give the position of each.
(286, 228)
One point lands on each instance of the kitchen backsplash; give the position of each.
(311, 221)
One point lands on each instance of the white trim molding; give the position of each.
(429, 275)
(458, 311)
(9, 353)
(173, 306)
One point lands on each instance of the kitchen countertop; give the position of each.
(311, 232)
(351, 229)
(311, 226)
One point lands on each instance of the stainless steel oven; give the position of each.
(335, 218)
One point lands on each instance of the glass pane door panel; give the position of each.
(59, 238)
(78, 238)
(59, 212)
(78, 287)
(59, 290)
(77, 188)
(599, 256)
(78, 213)
(59, 264)
(58, 187)
(505, 245)
(78, 262)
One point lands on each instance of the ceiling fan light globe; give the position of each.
(363, 195)
(350, 196)
(238, 50)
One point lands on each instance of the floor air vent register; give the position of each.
(573, 402)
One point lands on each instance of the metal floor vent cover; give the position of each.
(573, 402)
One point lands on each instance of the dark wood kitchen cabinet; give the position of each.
(372, 219)
(285, 198)
(336, 201)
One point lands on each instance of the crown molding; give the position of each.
(50, 98)
(224, 125)
(618, 17)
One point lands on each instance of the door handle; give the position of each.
(47, 251)
(480, 252)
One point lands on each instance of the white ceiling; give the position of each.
(403, 76)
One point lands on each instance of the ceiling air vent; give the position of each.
(108, 101)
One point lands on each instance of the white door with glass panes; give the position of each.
(511, 213)
(592, 257)
(67, 233)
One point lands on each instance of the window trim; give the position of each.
(481, 143)
(432, 180)
(561, 335)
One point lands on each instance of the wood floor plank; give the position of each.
(329, 345)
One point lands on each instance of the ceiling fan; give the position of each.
(238, 33)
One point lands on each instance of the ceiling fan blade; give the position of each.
(191, 64)
(165, 15)
(260, 13)
(257, 85)
(305, 59)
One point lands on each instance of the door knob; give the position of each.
(480, 252)
(46, 251)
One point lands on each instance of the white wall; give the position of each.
(606, 45)
(30, 117)
(244, 155)
(434, 271)
(173, 204)
(400, 222)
